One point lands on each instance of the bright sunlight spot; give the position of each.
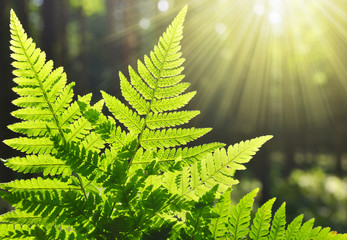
(144, 23)
(259, 9)
(275, 17)
(163, 5)
(220, 28)
(281, 64)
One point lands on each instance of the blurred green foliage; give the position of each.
(317, 195)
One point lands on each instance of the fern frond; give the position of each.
(219, 167)
(132, 96)
(78, 129)
(306, 230)
(45, 90)
(123, 114)
(323, 234)
(153, 91)
(145, 91)
(173, 91)
(201, 215)
(261, 222)
(93, 142)
(39, 163)
(277, 231)
(38, 184)
(219, 224)
(171, 137)
(240, 216)
(170, 119)
(294, 227)
(19, 217)
(188, 155)
(14, 231)
(41, 232)
(170, 104)
(29, 102)
(33, 113)
(78, 158)
(31, 145)
(33, 128)
(73, 111)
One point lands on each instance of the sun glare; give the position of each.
(259, 9)
(275, 17)
(281, 64)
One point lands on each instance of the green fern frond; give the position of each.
(93, 142)
(240, 216)
(78, 130)
(123, 114)
(294, 227)
(171, 137)
(170, 92)
(132, 96)
(153, 91)
(73, 111)
(33, 128)
(219, 224)
(277, 231)
(306, 230)
(43, 96)
(261, 222)
(15, 231)
(170, 119)
(38, 184)
(40, 145)
(78, 158)
(39, 163)
(19, 217)
(170, 104)
(219, 167)
(188, 155)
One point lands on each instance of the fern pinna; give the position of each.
(126, 176)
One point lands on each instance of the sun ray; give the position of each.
(269, 65)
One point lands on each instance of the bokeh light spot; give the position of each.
(163, 5)
(275, 17)
(259, 9)
(144, 23)
(320, 78)
(220, 28)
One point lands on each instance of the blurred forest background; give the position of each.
(260, 67)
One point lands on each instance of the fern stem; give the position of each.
(81, 185)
